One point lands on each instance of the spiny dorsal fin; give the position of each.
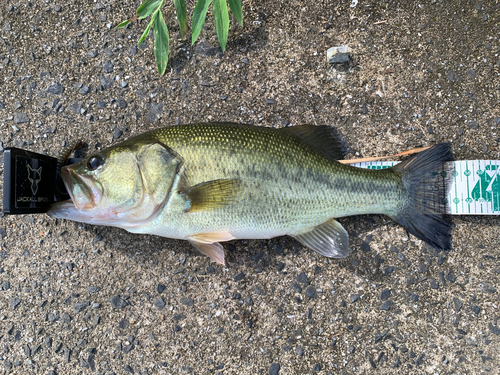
(323, 138)
(210, 195)
(329, 239)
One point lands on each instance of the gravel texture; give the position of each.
(81, 299)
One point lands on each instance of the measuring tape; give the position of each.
(475, 189)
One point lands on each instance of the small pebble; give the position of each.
(420, 360)
(20, 118)
(338, 55)
(422, 267)
(159, 304)
(239, 277)
(434, 284)
(132, 51)
(179, 270)
(66, 318)
(27, 351)
(488, 288)
(118, 302)
(386, 293)
(311, 292)
(386, 305)
(494, 329)
(258, 290)
(302, 278)
(14, 303)
(155, 111)
(179, 317)
(108, 67)
(296, 287)
(106, 81)
(80, 306)
(450, 276)
(160, 288)
(274, 369)
(67, 355)
(55, 89)
(236, 296)
(299, 350)
(365, 246)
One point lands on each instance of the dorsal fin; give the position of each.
(323, 138)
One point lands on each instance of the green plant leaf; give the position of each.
(122, 24)
(221, 15)
(161, 41)
(180, 7)
(235, 6)
(145, 33)
(199, 14)
(148, 7)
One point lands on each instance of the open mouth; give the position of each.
(81, 190)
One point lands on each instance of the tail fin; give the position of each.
(425, 212)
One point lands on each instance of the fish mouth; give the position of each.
(84, 192)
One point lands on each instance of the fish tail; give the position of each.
(424, 210)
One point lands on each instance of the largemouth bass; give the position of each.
(209, 183)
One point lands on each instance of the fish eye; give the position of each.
(94, 162)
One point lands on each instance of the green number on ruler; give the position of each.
(487, 188)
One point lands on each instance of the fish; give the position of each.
(209, 183)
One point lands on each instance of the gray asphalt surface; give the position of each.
(81, 299)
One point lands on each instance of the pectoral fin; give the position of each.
(329, 239)
(212, 250)
(210, 195)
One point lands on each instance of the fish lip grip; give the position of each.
(31, 182)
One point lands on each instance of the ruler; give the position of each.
(475, 189)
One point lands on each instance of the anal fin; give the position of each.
(329, 239)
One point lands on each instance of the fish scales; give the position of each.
(209, 183)
(287, 186)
